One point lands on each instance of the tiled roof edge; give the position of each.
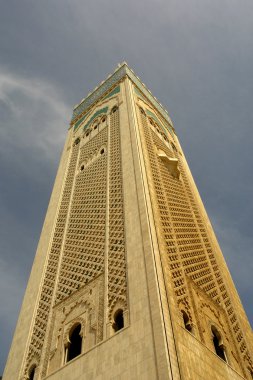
(120, 72)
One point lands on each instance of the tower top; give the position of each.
(122, 70)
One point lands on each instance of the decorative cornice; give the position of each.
(121, 71)
(99, 91)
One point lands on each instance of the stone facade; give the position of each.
(128, 280)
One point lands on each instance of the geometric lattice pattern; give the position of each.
(116, 256)
(188, 250)
(46, 296)
(79, 241)
(83, 255)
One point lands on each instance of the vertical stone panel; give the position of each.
(117, 284)
(182, 228)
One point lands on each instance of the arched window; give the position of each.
(218, 345)
(95, 124)
(164, 136)
(142, 111)
(118, 320)
(114, 109)
(174, 146)
(32, 373)
(187, 323)
(103, 119)
(77, 141)
(75, 346)
(151, 121)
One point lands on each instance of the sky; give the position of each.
(196, 56)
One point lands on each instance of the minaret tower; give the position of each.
(128, 281)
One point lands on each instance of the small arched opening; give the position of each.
(77, 141)
(114, 109)
(75, 345)
(218, 345)
(142, 111)
(250, 372)
(95, 124)
(187, 323)
(32, 373)
(151, 121)
(118, 323)
(174, 146)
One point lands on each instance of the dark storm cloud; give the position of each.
(195, 56)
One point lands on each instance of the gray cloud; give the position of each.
(196, 56)
(33, 128)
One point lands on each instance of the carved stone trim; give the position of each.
(70, 327)
(106, 85)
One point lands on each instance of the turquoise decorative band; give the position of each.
(139, 93)
(76, 125)
(114, 92)
(98, 112)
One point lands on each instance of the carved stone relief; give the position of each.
(85, 308)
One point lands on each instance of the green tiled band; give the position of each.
(98, 112)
